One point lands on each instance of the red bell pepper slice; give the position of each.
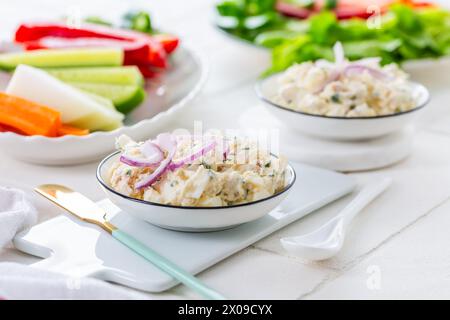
(169, 42)
(147, 71)
(34, 31)
(346, 9)
(419, 4)
(292, 10)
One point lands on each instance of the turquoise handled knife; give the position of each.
(86, 210)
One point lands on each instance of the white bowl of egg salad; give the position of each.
(343, 100)
(192, 183)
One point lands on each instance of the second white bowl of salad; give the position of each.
(195, 183)
(343, 100)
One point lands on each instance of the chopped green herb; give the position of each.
(247, 191)
(205, 165)
(336, 98)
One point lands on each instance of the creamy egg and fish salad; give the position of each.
(359, 88)
(187, 171)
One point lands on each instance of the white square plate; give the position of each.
(79, 249)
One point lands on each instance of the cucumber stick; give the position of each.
(103, 101)
(126, 75)
(62, 58)
(124, 98)
(76, 107)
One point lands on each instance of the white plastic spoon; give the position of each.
(326, 241)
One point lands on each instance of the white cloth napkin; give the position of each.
(16, 214)
(25, 282)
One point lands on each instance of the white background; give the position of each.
(398, 248)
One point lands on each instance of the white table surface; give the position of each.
(398, 247)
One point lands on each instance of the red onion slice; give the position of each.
(370, 61)
(152, 156)
(325, 64)
(135, 161)
(194, 156)
(334, 75)
(341, 66)
(373, 72)
(152, 151)
(339, 55)
(335, 68)
(168, 143)
(226, 151)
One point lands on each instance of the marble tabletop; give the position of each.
(398, 247)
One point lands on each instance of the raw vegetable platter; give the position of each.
(165, 98)
(67, 95)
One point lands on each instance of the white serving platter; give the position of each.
(80, 249)
(167, 95)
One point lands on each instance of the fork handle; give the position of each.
(166, 265)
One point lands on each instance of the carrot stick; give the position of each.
(5, 128)
(28, 117)
(66, 130)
